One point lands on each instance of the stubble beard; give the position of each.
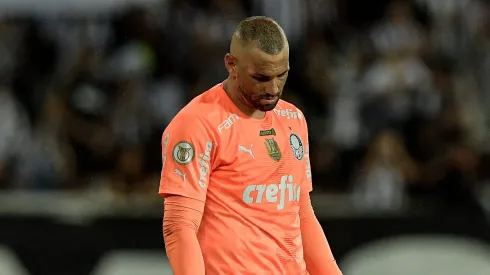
(254, 103)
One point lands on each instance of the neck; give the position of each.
(231, 90)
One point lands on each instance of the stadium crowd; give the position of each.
(396, 93)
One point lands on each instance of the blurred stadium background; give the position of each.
(397, 95)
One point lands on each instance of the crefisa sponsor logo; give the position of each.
(203, 161)
(288, 113)
(279, 193)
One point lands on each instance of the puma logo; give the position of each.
(246, 150)
(178, 172)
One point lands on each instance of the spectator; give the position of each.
(385, 172)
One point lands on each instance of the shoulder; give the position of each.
(291, 115)
(204, 112)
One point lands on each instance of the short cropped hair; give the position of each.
(264, 31)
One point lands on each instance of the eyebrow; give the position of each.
(268, 76)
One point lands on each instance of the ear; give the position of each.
(230, 64)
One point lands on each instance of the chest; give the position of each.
(261, 166)
(262, 153)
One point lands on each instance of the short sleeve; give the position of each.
(188, 154)
(306, 184)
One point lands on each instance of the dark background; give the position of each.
(396, 94)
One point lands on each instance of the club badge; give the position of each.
(296, 146)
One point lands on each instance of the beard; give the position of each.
(253, 100)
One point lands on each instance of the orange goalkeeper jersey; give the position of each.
(250, 174)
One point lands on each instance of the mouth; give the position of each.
(269, 100)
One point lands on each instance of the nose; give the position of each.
(273, 87)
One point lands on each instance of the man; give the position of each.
(236, 174)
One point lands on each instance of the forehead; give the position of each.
(259, 62)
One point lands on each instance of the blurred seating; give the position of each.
(396, 97)
(133, 262)
(9, 264)
(422, 255)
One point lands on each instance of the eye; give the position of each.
(282, 75)
(261, 78)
